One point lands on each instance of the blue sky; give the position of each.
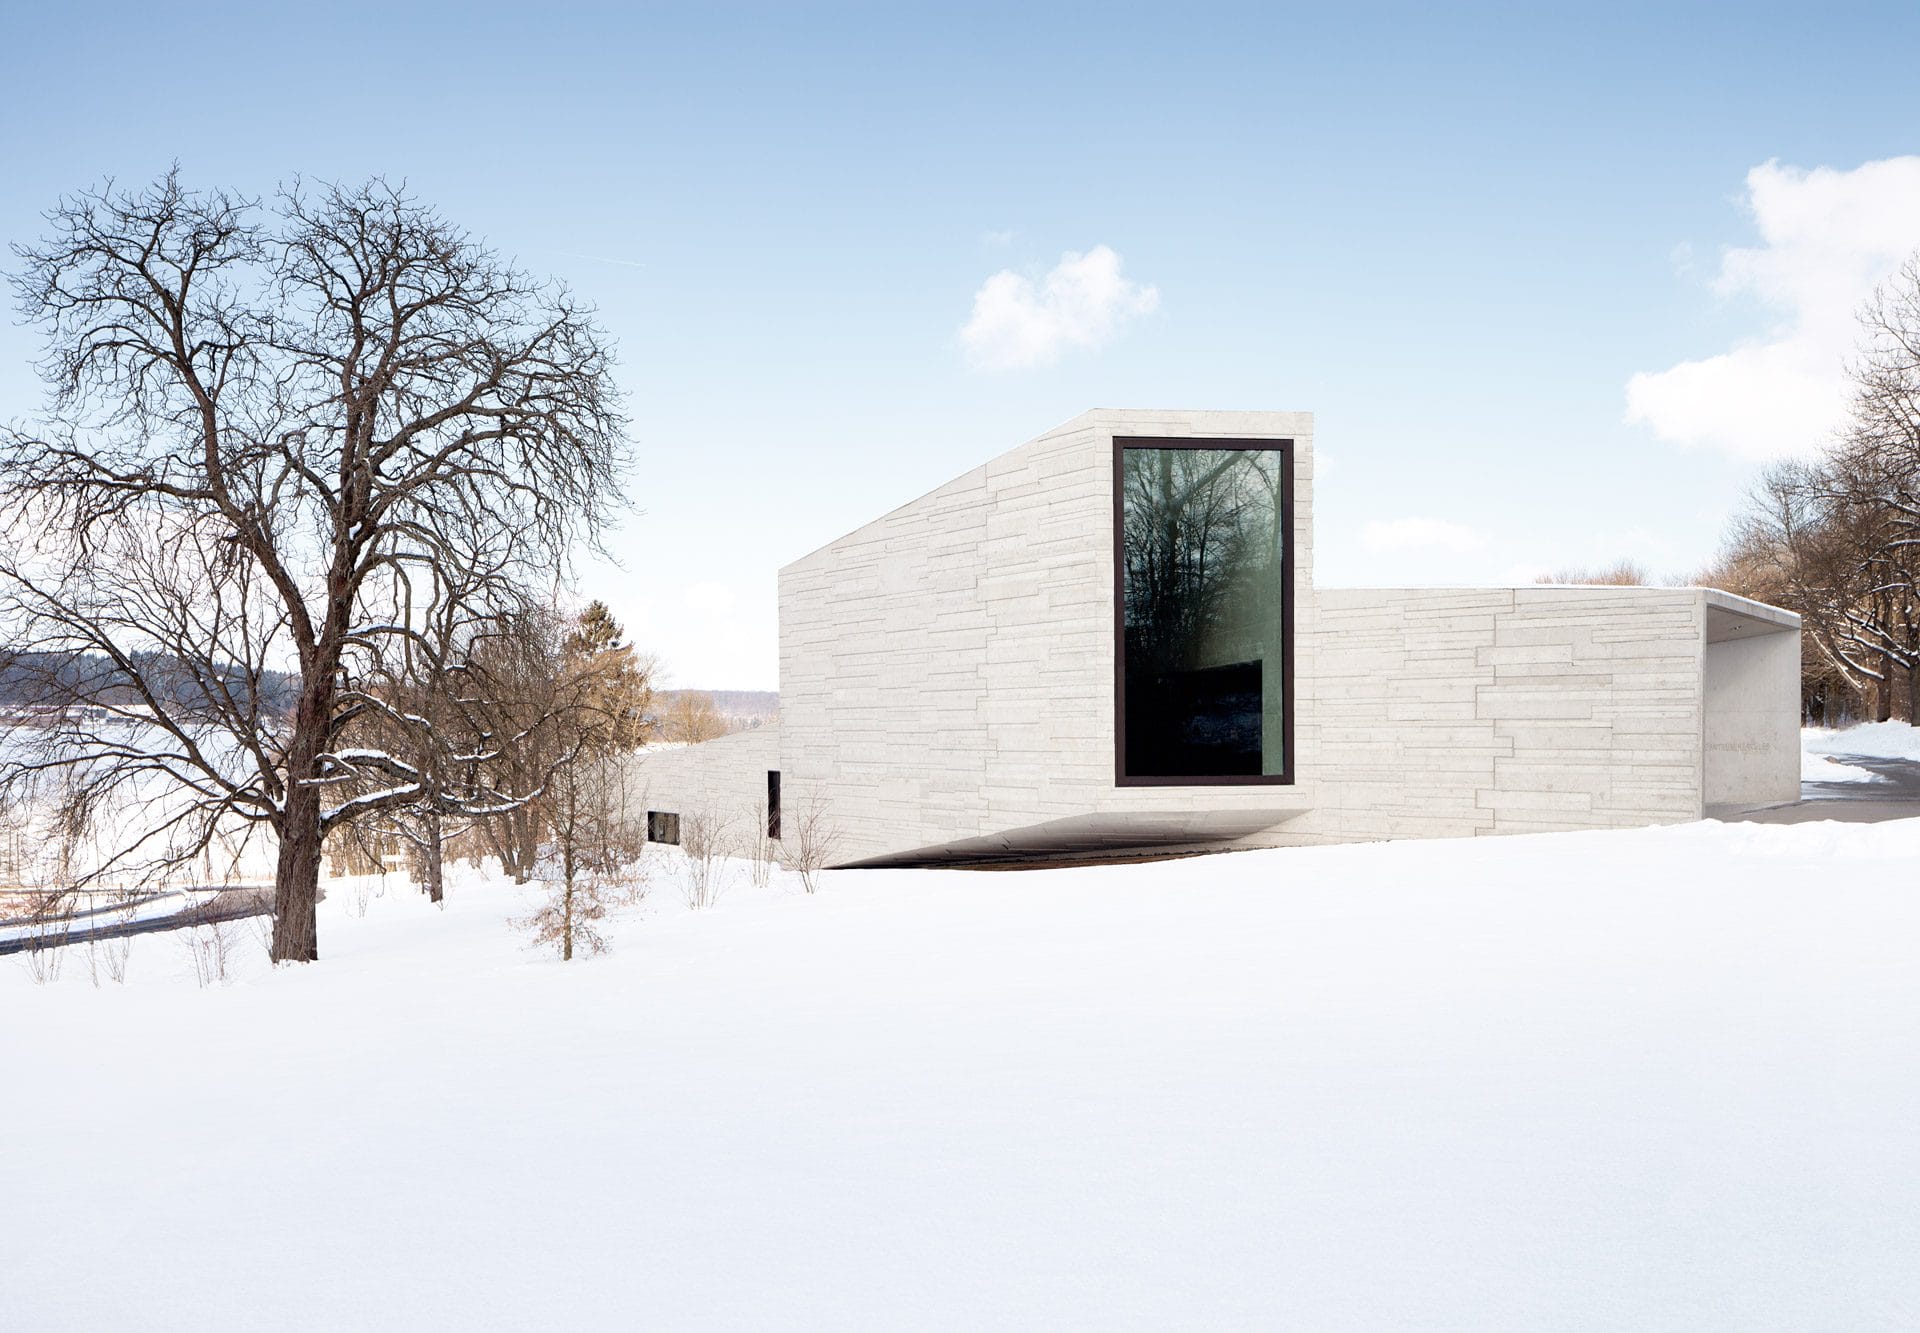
(1455, 234)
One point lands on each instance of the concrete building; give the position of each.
(1108, 641)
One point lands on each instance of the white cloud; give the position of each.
(1827, 239)
(1082, 302)
(1420, 534)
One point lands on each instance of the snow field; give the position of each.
(1662, 1078)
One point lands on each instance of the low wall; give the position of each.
(725, 777)
(1451, 712)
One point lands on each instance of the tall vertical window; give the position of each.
(1203, 535)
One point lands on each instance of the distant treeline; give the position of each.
(1837, 538)
(59, 680)
(687, 717)
(743, 705)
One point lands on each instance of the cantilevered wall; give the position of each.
(947, 671)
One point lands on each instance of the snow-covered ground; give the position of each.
(1656, 1079)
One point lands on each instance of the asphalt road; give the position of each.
(1895, 796)
(98, 923)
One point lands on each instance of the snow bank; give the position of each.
(1627, 1080)
(1871, 740)
(1819, 768)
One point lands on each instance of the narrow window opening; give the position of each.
(663, 826)
(1203, 651)
(773, 803)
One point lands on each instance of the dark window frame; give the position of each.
(773, 804)
(1122, 443)
(664, 822)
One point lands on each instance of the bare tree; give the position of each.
(210, 936)
(525, 685)
(691, 717)
(1874, 480)
(568, 918)
(49, 875)
(110, 947)
(1201, 524)
(761, 847)
(1619, 574)
(48, 922)
(706, 840)
(334, 438)
(16, 827)
(1757, 562)
(1820, 546)
(809, 843)
(435, 710)
(595, 863)
(1838, 539)
(564, 690)
(597, 690)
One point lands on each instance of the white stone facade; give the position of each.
(947, 687)
(1444, 712)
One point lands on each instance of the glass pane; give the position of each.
(1203, 566)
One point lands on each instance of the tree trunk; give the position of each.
(1913, 695)
(1883, 690)
(436, 881)
(527, 838)
(296, 882)
(514, 843)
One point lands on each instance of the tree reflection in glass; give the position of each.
(1203, 569)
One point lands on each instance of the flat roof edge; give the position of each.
(1733, 601)
(1713, 597)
